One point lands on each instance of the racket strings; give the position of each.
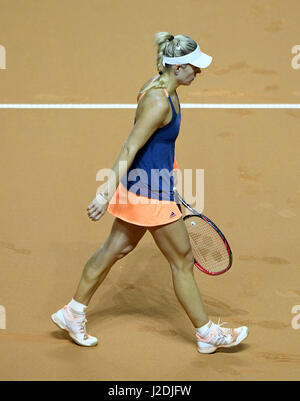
(208, 248)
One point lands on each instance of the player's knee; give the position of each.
(124, 251)
(184, 264)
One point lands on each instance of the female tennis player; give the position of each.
(139, 194)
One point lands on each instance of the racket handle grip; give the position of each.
(176, 199)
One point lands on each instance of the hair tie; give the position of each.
(171, 38)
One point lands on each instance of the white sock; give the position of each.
(77, 306)
(202, 331)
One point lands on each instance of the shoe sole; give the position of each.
(60, 325)
(213, 349)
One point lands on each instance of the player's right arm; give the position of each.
(151, 114)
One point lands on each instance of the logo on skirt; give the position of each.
(172, 214)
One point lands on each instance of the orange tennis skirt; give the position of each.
(140, 210)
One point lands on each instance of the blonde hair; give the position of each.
(170, 46)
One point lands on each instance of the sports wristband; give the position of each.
(101, 198)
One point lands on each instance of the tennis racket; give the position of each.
(210, 248)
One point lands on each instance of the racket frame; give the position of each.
(213, 225)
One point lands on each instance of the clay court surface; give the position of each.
(96, 51)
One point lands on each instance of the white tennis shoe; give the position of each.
(75, 324)
(220, 337)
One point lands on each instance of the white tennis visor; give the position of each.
(196, 58)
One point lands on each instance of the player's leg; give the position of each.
(173, 241)
(123, 239)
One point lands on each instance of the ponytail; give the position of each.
(170, 46)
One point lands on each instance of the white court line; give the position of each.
(133, 106)
(241, 106)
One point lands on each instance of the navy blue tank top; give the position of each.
(151, 172)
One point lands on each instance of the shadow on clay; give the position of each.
(142, 289)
